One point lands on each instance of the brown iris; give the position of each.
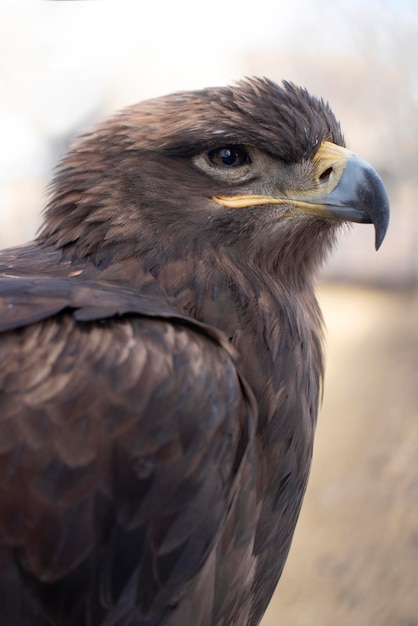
(229, 156)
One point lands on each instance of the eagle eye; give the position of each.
(229, 156)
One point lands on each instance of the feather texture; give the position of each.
(161, 367)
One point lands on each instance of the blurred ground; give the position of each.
(354, 559)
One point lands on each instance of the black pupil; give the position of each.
(229, 156)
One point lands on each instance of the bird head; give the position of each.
(258, 169)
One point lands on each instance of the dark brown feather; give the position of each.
(124, 443)
(160, 372)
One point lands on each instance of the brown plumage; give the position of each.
(161, 363)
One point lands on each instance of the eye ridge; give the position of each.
(229, 156)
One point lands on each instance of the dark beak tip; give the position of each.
(380, 234)
(378, 241)
(376, 203)
(381, 215)
(381, 224)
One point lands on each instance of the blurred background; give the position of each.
(65, 65)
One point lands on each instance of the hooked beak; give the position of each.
(346, 188)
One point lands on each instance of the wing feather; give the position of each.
(123, 444)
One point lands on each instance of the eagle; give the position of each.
(161, 358)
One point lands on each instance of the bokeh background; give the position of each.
(65, 65)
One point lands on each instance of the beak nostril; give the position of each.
(325, 176)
